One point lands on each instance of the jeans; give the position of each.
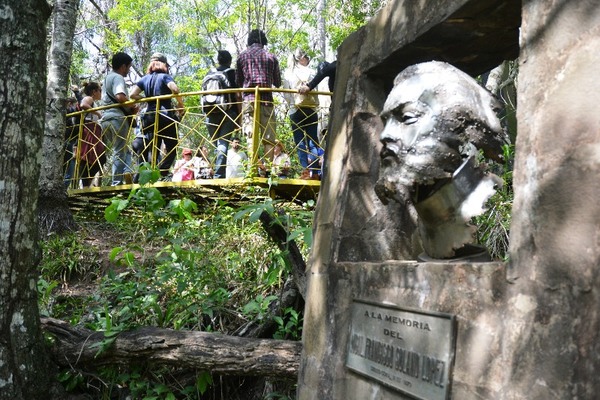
(69, 164)
(116, 136)
(305, 129)
(220, 127)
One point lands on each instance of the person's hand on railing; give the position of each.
(134, 109)
(180, 110)
(303, 89)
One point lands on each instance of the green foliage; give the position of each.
(289, 326)
(190, 33)
(345, 17)
(258, 308)
(177, 266)
(71, 379)
(66, 257)
(45, 289)
(493, 227)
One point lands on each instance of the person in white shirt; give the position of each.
(204, 170)
(303, 112)
(281, 161)
(235, 160)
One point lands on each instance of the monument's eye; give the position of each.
(408, 117)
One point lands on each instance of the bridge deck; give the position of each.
(202, 191)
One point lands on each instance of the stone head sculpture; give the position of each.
(437, 118)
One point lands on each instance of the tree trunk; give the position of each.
(24, 364)
(54, 213)
(322, 28)
(217, 353)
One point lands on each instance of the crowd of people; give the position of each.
(105, 134)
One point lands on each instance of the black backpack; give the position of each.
(213, 81)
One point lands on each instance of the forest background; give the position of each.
(191, 32)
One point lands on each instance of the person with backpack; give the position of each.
(158, 82)
(221, 109)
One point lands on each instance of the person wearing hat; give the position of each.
(303, 113)
(185, 168)
(158, 82)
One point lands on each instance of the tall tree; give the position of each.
(321, 29)
(54, 212)
(24, 365)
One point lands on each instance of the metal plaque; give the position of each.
(408, 350)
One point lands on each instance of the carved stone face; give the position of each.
(435, 117)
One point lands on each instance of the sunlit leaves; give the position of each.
(191, 31)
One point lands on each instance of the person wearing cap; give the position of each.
(256, 67)
(185, 168)
(158, 82)
(221, 124)
(303, 113)
(114, 124)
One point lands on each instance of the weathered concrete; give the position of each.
(528, 330)
(555, 235)
(352, 225)
(472, 291)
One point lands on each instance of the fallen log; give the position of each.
(214, 352)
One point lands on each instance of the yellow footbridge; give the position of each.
(94, 147)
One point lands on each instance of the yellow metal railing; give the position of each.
(95, 150)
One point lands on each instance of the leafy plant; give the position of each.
(258, 308)
(45, 299)
(289, 326)
(176, 266)
(494, 225)
(64, 257)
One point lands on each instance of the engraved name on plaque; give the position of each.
(408, 350)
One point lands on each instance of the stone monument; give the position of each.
(437, 118)
(381, 325)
